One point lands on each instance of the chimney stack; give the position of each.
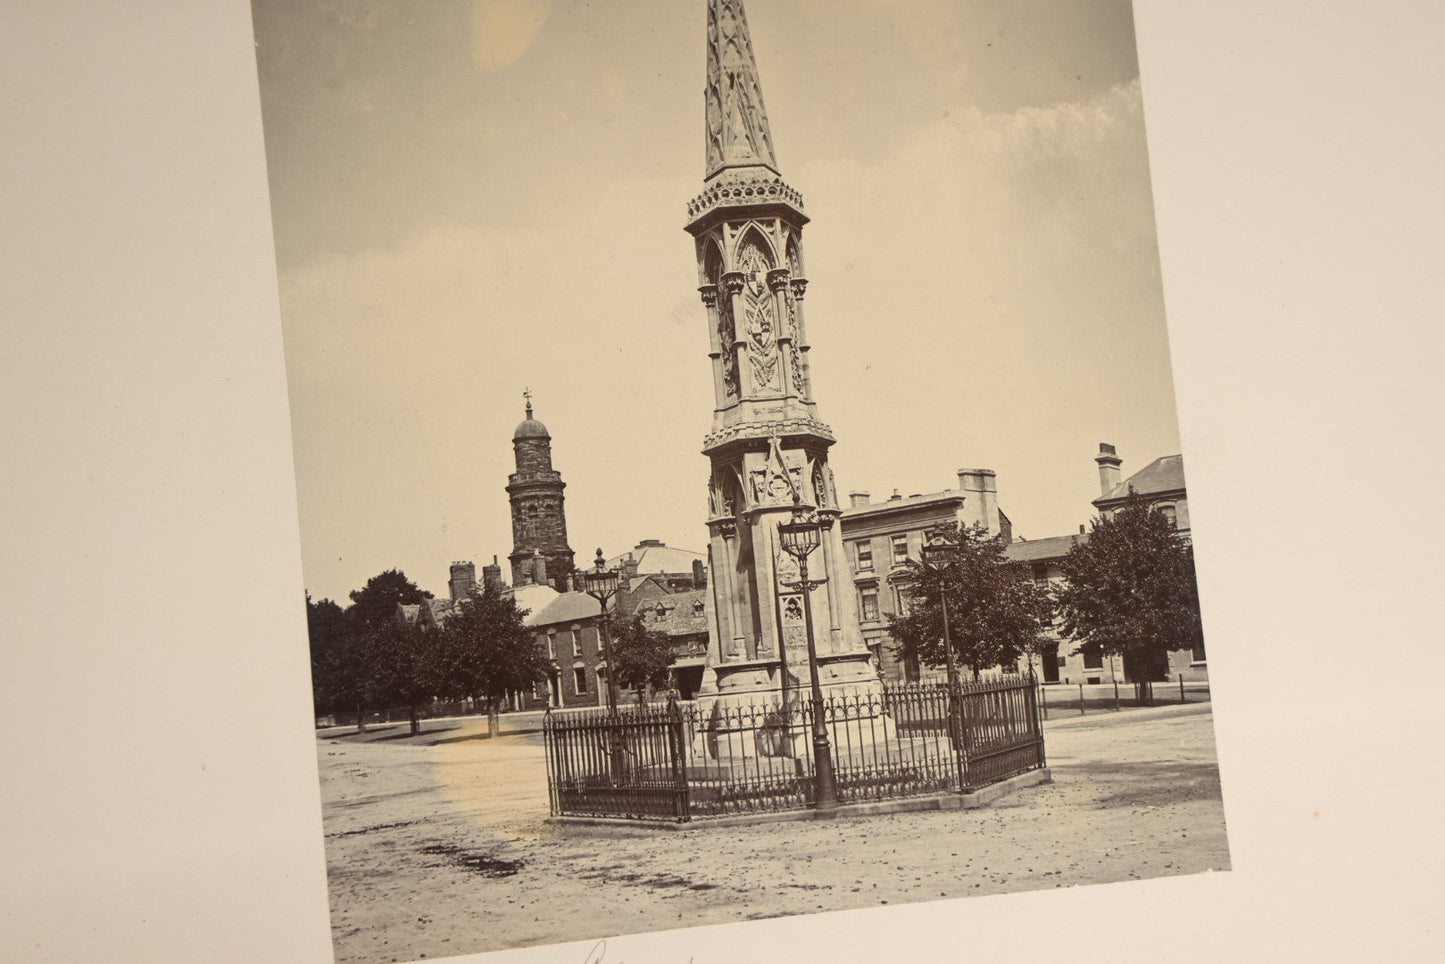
(492, 575)
(857, 499)
(980, 504)
(463, 580)
(699, 574)
(1109, 463)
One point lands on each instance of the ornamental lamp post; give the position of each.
(939, 554)
(602, 584)
(799, 538)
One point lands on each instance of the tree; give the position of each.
(995, 613)
(333, 683)
(396, 658)
(485, 650)
(638, 657)
(1130, 589)
(376, 602)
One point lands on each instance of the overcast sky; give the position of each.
(473, 198)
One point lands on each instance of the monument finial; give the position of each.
(737, 125)
(527, 394)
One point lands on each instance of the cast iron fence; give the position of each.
(721, 757)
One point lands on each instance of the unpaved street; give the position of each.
(441, 850)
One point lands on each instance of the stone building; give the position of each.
(540, 554)
(1162, 483)
(879, 538)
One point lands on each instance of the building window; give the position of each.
(869, 599)
(1171, 514)
(1093, 656)
(579, 679)
(576, 644)
(900, 550)
(865, 556)
(552, 645)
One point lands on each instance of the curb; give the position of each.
(982, 797)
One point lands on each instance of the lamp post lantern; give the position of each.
(602, 584)
(799, 538)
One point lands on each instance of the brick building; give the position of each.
(568, 630)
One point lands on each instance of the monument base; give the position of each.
(754, 718)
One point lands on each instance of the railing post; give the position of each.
(1081, 699)
(1181, 687)
(681, 807)
(953, 706)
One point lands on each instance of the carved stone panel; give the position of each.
(759, 325)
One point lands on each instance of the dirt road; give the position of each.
(441, 850)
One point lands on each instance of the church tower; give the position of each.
(767, 447)
(540, 554)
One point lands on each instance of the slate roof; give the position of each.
(1037, 550)
(437, 610)
(569, 607)
(534, 598)
(1164, 474)
(680, 613)
(658, 558)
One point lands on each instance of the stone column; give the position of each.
(797, 287)
(778, 285)
(733, 283)
(709, 299)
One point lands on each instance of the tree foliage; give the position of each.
(1131, 589)
(376, 602)
(639, 657)
(995, 612)
(485, 650)
(396, 655)
(334, 681)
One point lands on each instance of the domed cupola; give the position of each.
(529, 427)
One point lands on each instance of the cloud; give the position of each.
(995, 277)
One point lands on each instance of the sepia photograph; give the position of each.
(538, 481)
(604, 636)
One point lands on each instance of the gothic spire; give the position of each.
(737, 125)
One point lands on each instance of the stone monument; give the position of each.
(768, 449)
